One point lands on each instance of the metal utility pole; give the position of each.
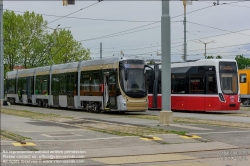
(185, 38)
(101, 50)
(185, 3)
(205, 54)
(1, 54)
(166, 115)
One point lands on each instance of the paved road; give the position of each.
(107, 149)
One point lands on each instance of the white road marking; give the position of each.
(189, 127)
(223, 132)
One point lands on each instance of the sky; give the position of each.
(225, 27)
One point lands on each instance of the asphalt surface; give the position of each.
(108, 149)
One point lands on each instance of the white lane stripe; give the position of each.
(223, 132)
(189, 127)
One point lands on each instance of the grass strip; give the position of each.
(34, 115)
(195, 121)
(102, 127)
(12, 136)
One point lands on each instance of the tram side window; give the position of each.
(11, 86)
(211, 84)
(112, 81)
(196, 83)
(55, 84)
(85, 82)
(70, 83)
(95, 82)
(21, 84)
(179, 83)
(42, 85)
(243, 78)
(63, 82)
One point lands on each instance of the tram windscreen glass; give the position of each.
(132, 78)
(228, 77)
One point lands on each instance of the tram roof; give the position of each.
(201, 62)
(101, 61)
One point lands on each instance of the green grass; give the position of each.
(11, 135)
(33, 115)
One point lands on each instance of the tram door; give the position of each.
(55, 89)
(110, 89)
(105, 90)
(71, 88)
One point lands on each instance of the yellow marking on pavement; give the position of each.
(187, 164)
(27, 144)
(142, 159)
(149, 139)
(190, 137)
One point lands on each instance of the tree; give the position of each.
(29, 44)
(210, 57)
(218, 57)
(242, 61)
(66, 49)
(11, 42)
(151, 62)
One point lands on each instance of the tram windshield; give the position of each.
(132, 78)
(229, 77)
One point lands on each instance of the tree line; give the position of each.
(29, 43)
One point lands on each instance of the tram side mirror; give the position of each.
(145, 66)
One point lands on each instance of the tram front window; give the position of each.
(228, 77)
(132, 80)
(229, 83)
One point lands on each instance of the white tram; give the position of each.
(112, 84)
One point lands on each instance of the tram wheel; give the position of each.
(40, 103)
(45, 104)
(12, 101)
(246, 102)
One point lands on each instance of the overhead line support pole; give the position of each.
(185, 31)
(101, 50)
(166, 115)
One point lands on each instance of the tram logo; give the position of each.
(232, 98)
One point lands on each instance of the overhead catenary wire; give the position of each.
(142, 25)
(74, 12)
(116, 34)
(215, 28)
(180, 42)
(86, 18)
(172, 17)
(221, 47)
